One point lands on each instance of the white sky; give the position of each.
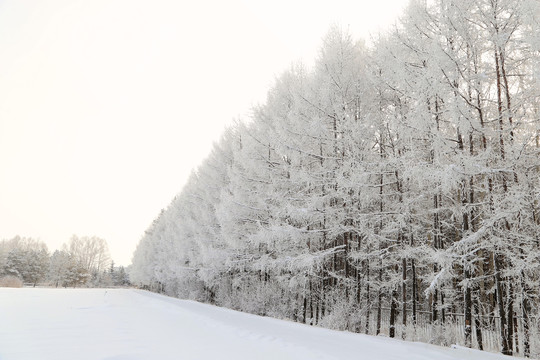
(106, 106)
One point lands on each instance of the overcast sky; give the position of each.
(106, 106)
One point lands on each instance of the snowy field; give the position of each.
(130, 324)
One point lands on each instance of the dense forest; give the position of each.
(390, 189)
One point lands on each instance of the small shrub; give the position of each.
(10, 281)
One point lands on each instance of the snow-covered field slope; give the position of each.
(130, 324)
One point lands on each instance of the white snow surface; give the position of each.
(122, 324)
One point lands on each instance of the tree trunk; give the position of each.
(404, 296)
(478, 325)
(510, 315)
(379, 301)
(368, 298)
(505, 349)
(393, 310)
(414, 292)
(468, 311)
(525, 310)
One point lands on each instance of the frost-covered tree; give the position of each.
(389, 189)
(27, 259)
(15, 263)
(60, 268)
(91, 253)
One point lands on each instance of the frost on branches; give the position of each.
(391, 189)
(83, 261)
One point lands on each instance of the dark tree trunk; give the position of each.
(468, 312)
(510, 315)
(414, 292)
(505, 349)
(404, 296)
(304, 312)
(379, 302)
(525, 310)
(368, 298)
(478, 325)
(393, 310)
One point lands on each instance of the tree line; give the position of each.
(83, 261)
(388, 185)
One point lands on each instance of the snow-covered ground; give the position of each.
(126, 324)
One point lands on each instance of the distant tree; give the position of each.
(37, 265)
(90, 253)
(28, 259)
(60, 268)
(122, 277)
(5, 247)
(77, 275)
(15, 263)
(19, 243)
(115, 276)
